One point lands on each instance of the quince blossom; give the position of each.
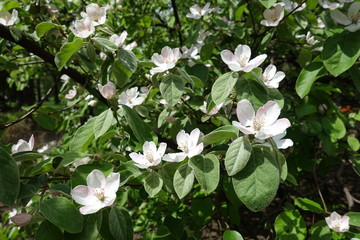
(23, 146)
(240, 60)
(166, 60)
(337, 222)
(188, 144)
(333, 5)
(273, 16)
(290, 6)
(21, 219)
(190, 53)
(271, 78)
(120, 40)
(264, 124)
(8, 19)
(213, 111)
(95, 13)
(98, 193)
(352, 20)
(151, 157)
(130, 97)
(197, 12)
(281, 143)
(71, 94)
(108, 90)
(83, 28)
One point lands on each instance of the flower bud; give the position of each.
(108, 90)
(21, 219)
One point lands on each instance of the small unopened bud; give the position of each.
(170, 119)
(108, 90)
(21, 219)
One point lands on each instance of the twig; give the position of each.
(350, 199)
(68, 107)
(318, 189)
(177, 20)
(31, 111)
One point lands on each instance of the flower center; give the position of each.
(100, 194)
(149, 157)
(258, 123)
(243, 61)
(355, 17)
(183, 147)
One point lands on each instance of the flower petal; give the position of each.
(245, 112)
(162, 149)
(112, 183)
(242, 128)
(174, 157)
(228, 57)
(83, 195)
(272, 130)
(255, 62)
(243, 52)
(96, 179)
(89, 209)
(340, 17)
(196, 151)
(268, 113)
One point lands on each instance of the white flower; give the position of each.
(271, 78)
(264, 124)
(213, 111)
(310, 39)
(320, 23)
(43, 148)
(65, 78)
(151, 157)
(166, 60)
(332, 5)
(190, 53)
(144, 90)
(337, 222)
(108, 90)
(197, 12)
(92, 103)
(188, 144)
(98, 193)
(23, 145)
(103, 56)
(130, 46)
(83, 28)
(81, 161)
(290, 6)
(279, 141)
(130, 97)
(240, 60)
(71, 94)
(201, 38)
(8, 19)
(273, 16)
(352, 20)
(95, 13)
(119, 40)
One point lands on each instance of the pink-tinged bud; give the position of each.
(21, 219)
(108, 90)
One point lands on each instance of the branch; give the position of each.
(36, 49)
(177, 20)
(31, 111)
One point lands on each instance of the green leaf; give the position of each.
(320, 231)
(83, 137)
(172, 88)
(26, 156)
(334, 127)
(70, 157)
(355, 75)
(175, 226)
(267, 3)
(183, 180)
(47, 231)
(66, 52)
(237, 155)
(105, 43)
(128, 60)
(206, 51)
(62, 213)
(289, 224)
(256, 185)
(354, 218)
(153, 184)
(220, 134)
(9, 178)
(120, 224)
(308, 76)
(223, 87)
(167, 173)
(308, 205)
(353, 143)
(141, 130)
(103, 123)
(207, 171)
(81, 172)
(127, 171)
(252, 90)
(341, 52)
(90, 230)
(43, 28)
(232, 235)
